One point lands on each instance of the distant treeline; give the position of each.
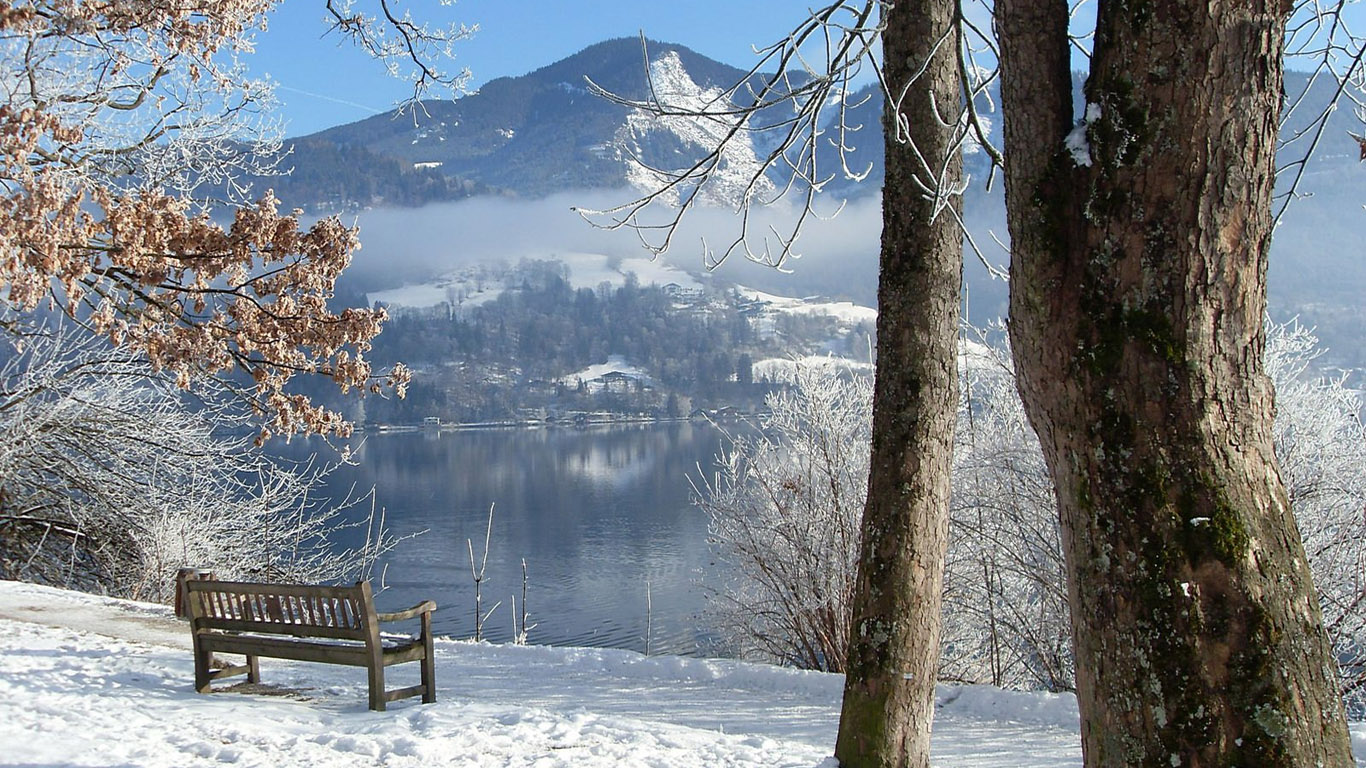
(519, 351)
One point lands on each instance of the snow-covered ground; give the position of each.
(589, 270)
(785, 368)
(614, 363)
(451, 288)
(89, 681)
(844, 311)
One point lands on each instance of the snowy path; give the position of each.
(110, 685)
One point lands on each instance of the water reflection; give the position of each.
(597, 513)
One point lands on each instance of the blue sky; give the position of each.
(324, 82)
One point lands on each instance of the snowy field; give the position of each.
(89, 681)
(615, 363)
(844, 311)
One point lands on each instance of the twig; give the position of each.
(478, 576)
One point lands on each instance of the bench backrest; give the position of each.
(301, 610)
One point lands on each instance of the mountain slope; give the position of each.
(538, 133)
(529, 137)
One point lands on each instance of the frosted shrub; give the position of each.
(785, 504)
(1006, 619)
(1321, 446)
(113, 478)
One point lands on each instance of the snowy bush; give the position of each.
(1006, 619)
(111, 478)
(785, 503)
(1321, 446)
(785, 506)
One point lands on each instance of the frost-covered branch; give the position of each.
(785, 506)
(1320, 41)
(111, 478)
(148, 96)
(785, 130)
(410, 49)
(781, 500)
(113, 116)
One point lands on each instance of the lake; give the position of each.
(602, 516)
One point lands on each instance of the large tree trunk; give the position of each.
(1138, 284)
(894, 637)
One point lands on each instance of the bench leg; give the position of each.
(253, 668)
(428, 680)
(428, 662)
(377, 685)
(203, 660)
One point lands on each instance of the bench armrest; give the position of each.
(426, 606)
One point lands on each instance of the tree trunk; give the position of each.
(894, 637)
(1138, 290)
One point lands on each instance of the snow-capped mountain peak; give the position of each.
(660, 148)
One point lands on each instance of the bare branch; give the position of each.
(800, 111)
(138, 479)
(410, 50)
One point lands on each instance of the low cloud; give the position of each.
(838, 254)
(404, 245)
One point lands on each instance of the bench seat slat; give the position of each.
(280, 648)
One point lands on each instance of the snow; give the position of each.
(589, 270)
(457, 288)
(844, 311)
(586, 270)
(109, 683)
(972, 146)
(685, 99)
(784, 369)
(613, 363)
(1076, 142)
(420, 295)
(657, 272)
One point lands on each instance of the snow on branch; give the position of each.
(1320, 41)
(784, 501)
(111, 478)
(411, 50)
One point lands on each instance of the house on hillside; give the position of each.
(681, 294)
(617, 381)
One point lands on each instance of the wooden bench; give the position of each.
(332, 625)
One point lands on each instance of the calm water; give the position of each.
(597, 513)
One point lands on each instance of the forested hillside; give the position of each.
(529, 348)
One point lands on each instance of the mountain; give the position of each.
(546, 132)
(526, 138)
(531, 135)
(329, 176)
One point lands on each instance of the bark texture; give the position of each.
(1138, 285)
(894, 637)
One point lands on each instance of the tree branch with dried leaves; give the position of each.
(114, 117)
